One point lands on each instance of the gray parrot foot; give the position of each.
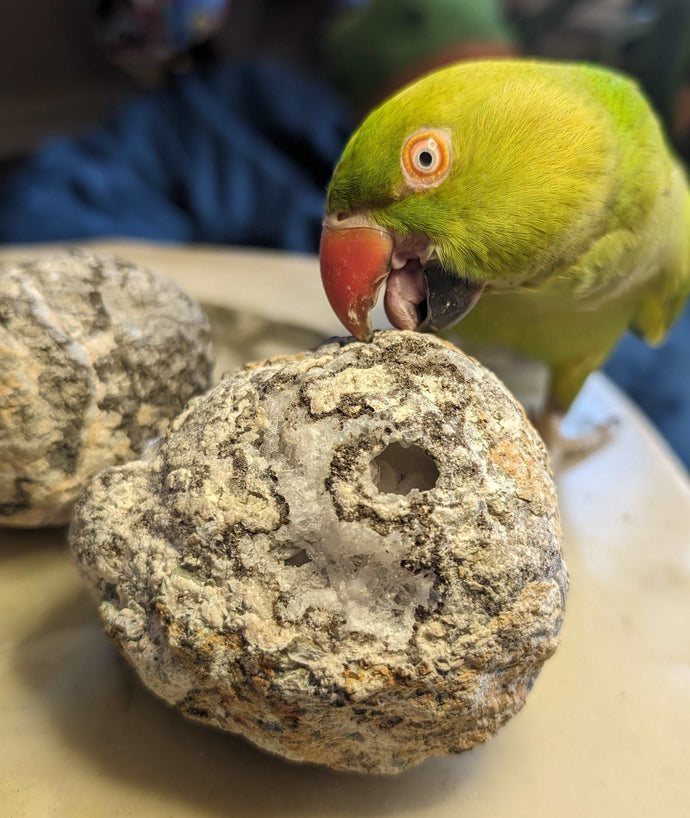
(567, 449)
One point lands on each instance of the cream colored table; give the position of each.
(605, 732)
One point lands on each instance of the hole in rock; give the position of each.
(300, 557)
(399, 469)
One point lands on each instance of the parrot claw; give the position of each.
(566, 450)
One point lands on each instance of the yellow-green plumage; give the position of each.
(563, 197)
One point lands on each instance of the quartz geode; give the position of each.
(349, 556)
(96, 357)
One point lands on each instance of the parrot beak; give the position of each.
(355, 261)
(357, 257)
(448, 298)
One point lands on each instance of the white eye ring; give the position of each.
(426, 158)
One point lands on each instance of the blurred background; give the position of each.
(219, 121)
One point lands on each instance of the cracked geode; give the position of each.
(96, 357)
(349, 556)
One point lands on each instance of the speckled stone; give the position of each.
(96, 357)
(351, 556)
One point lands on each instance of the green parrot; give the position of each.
(538, 202)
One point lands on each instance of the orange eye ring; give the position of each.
(426, 158)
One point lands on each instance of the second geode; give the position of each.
(351, 556)
(96, 357)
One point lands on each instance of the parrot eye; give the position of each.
(426, 158)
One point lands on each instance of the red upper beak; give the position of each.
(355, 261)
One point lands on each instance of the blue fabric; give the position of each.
(238, 154)
(659, 381)
(242, 155)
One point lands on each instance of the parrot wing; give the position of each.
(664, 302)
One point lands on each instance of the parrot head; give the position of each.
(480, 177)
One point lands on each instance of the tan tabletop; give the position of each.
(605, 732)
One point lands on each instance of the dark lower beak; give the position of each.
(448, 299)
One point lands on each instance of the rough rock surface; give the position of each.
(96, 357)
(350, 556)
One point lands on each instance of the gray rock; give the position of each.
(350, 556)
(96, 357)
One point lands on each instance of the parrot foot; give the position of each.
(566, 450)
